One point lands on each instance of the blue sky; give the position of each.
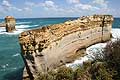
(58, 8)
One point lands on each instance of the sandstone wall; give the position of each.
(54, 45)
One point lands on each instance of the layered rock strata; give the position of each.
(54, 45)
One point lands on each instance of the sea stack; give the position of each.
(10, 23)
(55, 45)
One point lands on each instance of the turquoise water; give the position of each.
(11, 63)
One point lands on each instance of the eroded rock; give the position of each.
(49, 47)
(10, 23)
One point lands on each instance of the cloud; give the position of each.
(28, 7)
(73, 1)
(49, 4)
(49, 7)
(7, 8)
(1, 11)
(6, 5)
(30, 4)
(102, 3)
(76, 8)
(86, 7)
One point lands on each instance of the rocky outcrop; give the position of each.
(52, 46)
(9, 24)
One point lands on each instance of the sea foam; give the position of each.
(25, 26)
(17, 54)
(94, 50)
(19, 23)
(19, 29)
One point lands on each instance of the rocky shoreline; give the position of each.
(52, 46)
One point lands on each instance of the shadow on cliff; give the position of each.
(14, 75)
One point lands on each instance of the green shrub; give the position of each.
(100, 71)
(106, 68)
(112, 57)
(64, 73)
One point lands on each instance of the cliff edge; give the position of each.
(54, 45)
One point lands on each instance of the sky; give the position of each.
(58, 8)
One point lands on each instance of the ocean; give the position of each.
(11, 63)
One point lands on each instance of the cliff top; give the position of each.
(9, 17)
(55, 32)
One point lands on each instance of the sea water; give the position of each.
(11, 63)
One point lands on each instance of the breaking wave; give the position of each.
(19, 23)
(25, 26)
(19, 29)
(16, 55)
(94, 49)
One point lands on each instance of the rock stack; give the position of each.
(10, 23)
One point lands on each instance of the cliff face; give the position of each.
(54, 45)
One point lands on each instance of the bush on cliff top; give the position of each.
(106, 69)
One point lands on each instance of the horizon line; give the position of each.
(49, 17)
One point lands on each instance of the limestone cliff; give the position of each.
(54, 45)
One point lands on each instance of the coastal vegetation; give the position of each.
(106, 67)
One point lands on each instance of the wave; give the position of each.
(25, 26)
(115, 32)
(16, 55)
(19, 23)
(91, 52)
(19, 29)
(4, 66)
(94, 50)
(2, 29)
